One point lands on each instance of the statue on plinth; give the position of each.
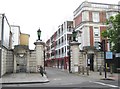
(74, 34)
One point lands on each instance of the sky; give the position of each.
(47, 15)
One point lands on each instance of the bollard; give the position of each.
(100, 70)
(111, 71)
(87, 70)
(83, 70)
(79, 69)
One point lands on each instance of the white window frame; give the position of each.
(95, 16)
(85, 16)
(96, 31)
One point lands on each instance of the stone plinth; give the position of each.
(74, 47)
(39, 48)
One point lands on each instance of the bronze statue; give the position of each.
(39, 34)
(74, 34)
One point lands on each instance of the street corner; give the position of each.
(110, 77)
(46, 78)
(24, 78)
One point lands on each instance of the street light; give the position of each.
(39, 33)
(69, 55)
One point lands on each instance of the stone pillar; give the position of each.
(14, 64)
(81, 58)
(39, 54)
(28, 57)
(75, 54)
(95, 63)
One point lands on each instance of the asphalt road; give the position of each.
(59, 78)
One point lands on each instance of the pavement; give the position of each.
(96, 75)
(22, 78)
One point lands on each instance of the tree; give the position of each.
(113, 32)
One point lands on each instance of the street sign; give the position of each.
(109, 55)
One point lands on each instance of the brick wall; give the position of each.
(78, 19)
(91, 35)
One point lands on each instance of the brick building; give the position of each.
(58, 46)
(90, 18)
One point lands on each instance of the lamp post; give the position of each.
(39, 33)
(104, 50)
(69, 56)
(44, 59)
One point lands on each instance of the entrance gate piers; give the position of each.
(39, 45)
(26, 60)
(74, 50)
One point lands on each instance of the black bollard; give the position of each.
(79, 69)
(111, 71)
(87, 70)
(83, 70)
(100, 70)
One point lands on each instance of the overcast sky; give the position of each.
(46, 14)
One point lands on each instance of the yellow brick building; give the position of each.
(24, 39)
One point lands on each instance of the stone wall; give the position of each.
(3, 61)
(100, 60)
(9, 62)
(32, 62)
(6, 61)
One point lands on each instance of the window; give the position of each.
(96, 32)
(95, 16)
(109, 14)
(62, 50)
(65, 49)
(85, 16)
(96, 45)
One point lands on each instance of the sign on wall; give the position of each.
(109, 55)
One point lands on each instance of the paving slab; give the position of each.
(20, 78)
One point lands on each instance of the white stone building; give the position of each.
(15, 55)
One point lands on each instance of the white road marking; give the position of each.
(67, 84)
(104, 84)
(57, 79)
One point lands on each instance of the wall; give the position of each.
(9, 62)
(3, 61)
(15, 35)
(0, 26)
(32, 61)
(24, 39)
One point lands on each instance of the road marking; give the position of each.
(67, 84)
(57, 79)
(104, 84)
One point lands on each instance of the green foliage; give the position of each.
(113, 32)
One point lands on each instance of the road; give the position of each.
(60, 78)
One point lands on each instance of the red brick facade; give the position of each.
(102, 28)
(90, 15)
(102, 16)
(91, 35)
(78, 19)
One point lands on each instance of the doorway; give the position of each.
(21, 64)
(90, 61)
